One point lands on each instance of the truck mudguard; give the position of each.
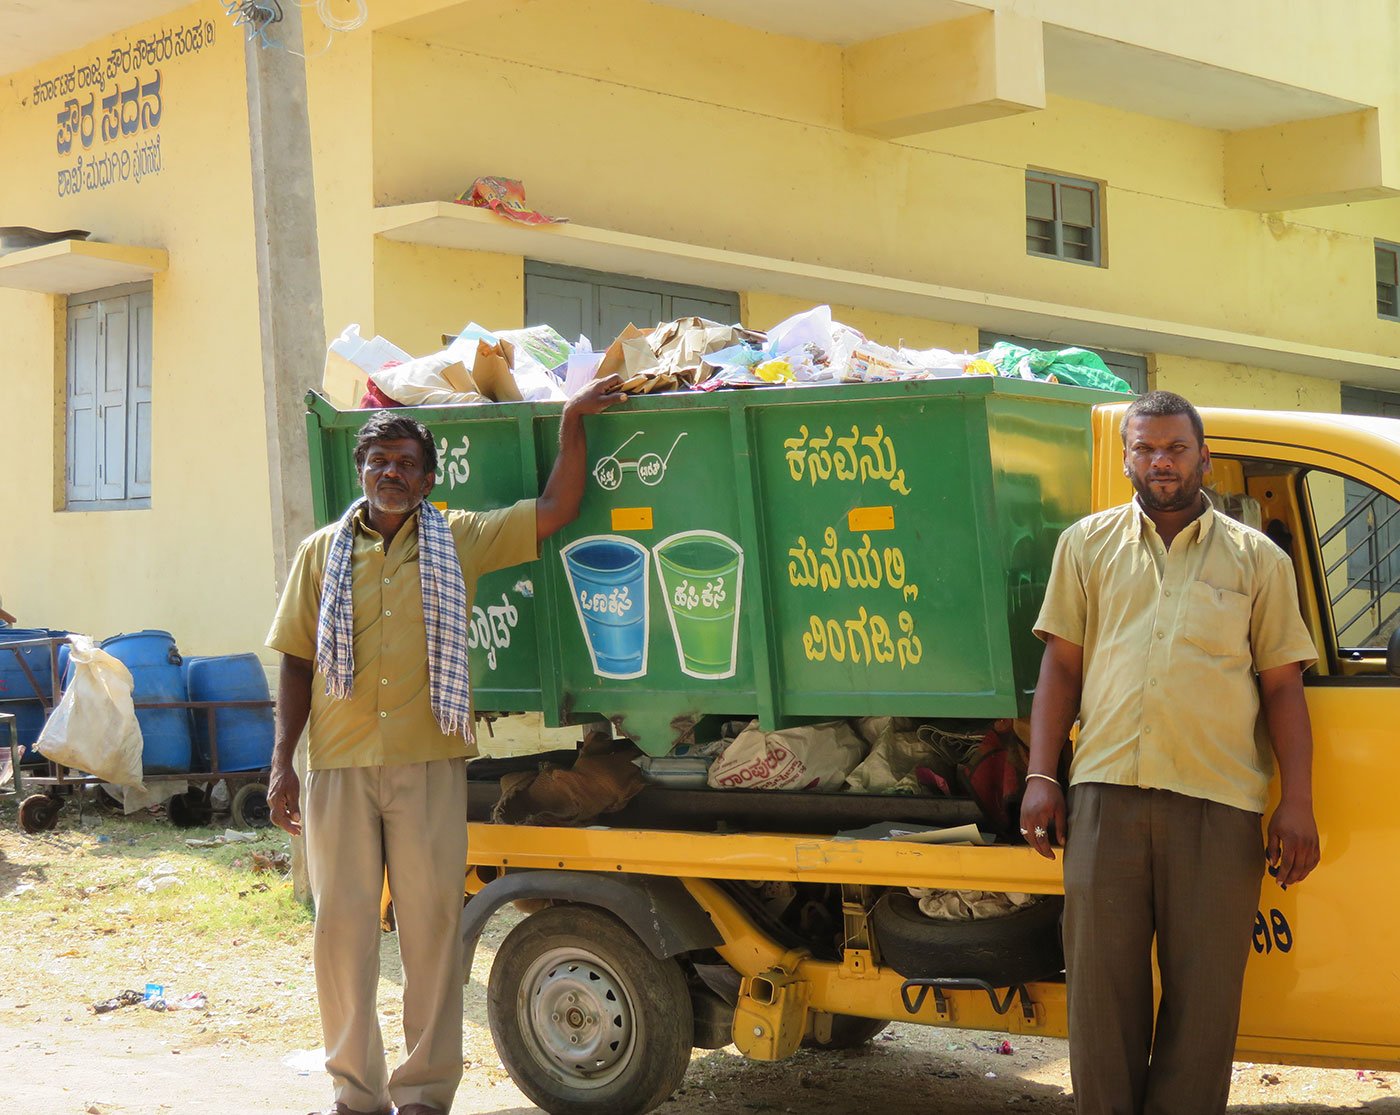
(660, 911)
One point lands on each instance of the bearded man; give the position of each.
(1168, 628)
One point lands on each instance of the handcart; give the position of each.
(38, 811)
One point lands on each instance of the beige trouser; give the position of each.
(1141, 863)
(411, 819)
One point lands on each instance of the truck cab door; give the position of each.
(1320, 982)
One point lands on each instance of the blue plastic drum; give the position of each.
(18, 694)
(155, 665)
(244, 735)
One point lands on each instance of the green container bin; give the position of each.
(796, 554)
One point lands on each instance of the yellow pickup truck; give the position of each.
(671, 925)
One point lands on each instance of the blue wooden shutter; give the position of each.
(113, 371)
(81, 452)
(566, 304)
(619, 307)
(138, 418)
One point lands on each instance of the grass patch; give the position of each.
(86, 930)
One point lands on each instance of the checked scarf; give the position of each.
(444, 618)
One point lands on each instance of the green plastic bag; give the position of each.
(1078, 366)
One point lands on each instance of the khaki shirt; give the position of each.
(1172, 642)
(388, 717)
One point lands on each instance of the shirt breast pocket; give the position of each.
(1217, 620)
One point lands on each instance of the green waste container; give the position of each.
(795, 554)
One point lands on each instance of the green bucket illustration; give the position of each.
(702, 575)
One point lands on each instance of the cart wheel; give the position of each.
(586, 1020)
(39, 813)
(249, 809)
(188, 810)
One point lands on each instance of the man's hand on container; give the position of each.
(596, 396)
(284, 798)
(1043, 816)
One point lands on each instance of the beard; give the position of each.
(393, 500)
(1186, 496)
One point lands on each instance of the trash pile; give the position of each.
(154, 998)
(983, 761)
(690, 354)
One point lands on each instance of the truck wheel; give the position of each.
(1018, 948)
(586, 1020)
(848, 1031)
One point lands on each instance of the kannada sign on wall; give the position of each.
(108, 112)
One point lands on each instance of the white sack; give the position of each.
(94, 727)
(815, 757)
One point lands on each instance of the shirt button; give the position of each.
(387, 612)
(385, 681)
(1159, 635)
(1146, 731)
(386, 581)
(1152, 682)
(382, 715)
(1167, 593)
(379, 546)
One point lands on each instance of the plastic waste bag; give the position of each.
(1078, 366)
(94, 727)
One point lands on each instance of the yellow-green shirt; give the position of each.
(388, 717)
(1172, 642)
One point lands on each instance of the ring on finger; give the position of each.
(1040, 832)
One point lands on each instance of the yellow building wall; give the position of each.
(665, 148)
(199, 561)
(760, 310)
(422, 293)
(1209, 383)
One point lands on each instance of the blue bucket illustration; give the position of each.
(610, 589)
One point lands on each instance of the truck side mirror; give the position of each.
(1392, 654)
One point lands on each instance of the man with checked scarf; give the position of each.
(372, 629)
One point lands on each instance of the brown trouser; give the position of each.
(411, 819)
(1150, 862)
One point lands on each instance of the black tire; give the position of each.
(189, 810)
(249, 808)
(574, 972)
(39, 813)
(1018, 948)
(848, 1031)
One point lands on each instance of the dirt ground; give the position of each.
(86, 916)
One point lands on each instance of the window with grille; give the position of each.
(1388, 280)
(1372, 524)
(1064, 218)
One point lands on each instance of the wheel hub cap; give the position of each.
(580, 1020)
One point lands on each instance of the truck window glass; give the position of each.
(1358, 531)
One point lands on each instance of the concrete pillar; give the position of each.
(289, 294)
